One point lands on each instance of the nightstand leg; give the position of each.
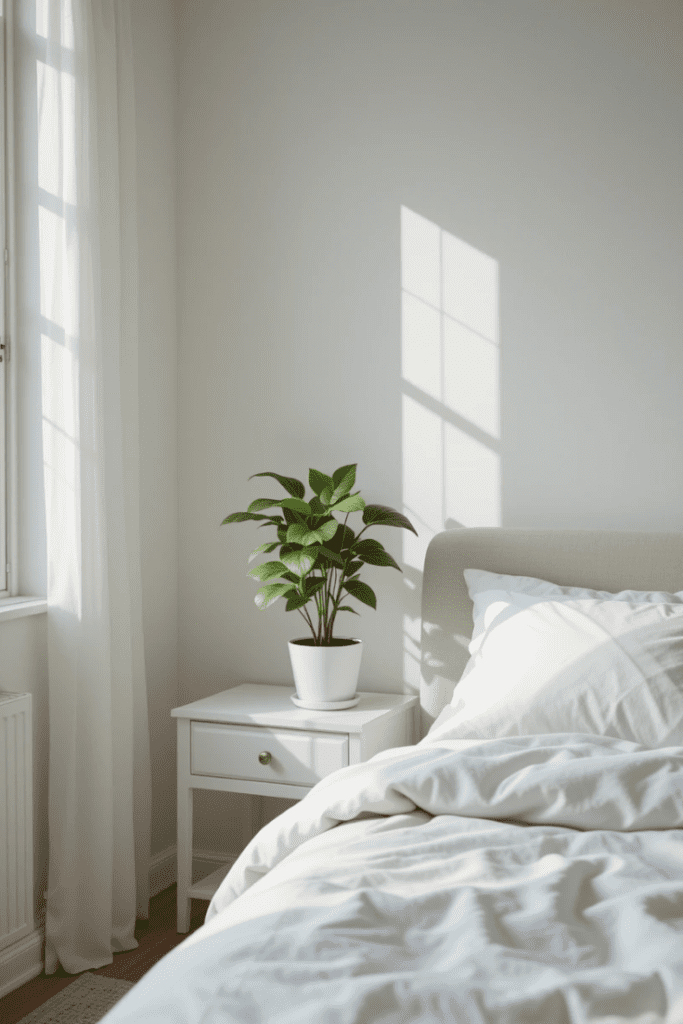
(184, 859)
(184, 836)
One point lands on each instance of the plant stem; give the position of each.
(342, 574)
(316, 634)
(329, 586)
(324, 597)
(307, 618)
(330, 593)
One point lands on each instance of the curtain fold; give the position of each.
(99, 787)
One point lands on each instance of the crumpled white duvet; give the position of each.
(533, 880)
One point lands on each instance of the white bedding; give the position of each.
(533, 880)
(545, 658)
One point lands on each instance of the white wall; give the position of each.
(544, 134)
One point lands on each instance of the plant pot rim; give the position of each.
(337, 641)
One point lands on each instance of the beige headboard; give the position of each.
(598, 559)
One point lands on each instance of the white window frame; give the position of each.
(8, 381)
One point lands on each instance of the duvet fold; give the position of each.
(568, 780)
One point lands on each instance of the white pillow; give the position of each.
(548, 659)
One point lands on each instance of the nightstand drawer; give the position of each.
(296, 757)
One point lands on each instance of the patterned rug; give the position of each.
(84, 1001)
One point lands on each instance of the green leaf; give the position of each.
(353, 568)
(271, 592)
(326, 531)
(290, 483)
(382, 515)
(381, 558)
(361, 591)
(330, 556)
(299, 533)
(343, 472)
(326, 494)
(312, 585)
(267, 571)
(343, 539)
(260, 503)
(373, 553)
(317, 507)
(282, 534)
(347, 608)
(271, 521)
(295, 601)
(296, 505)
(293, 517)
(318, 481)
(353, 503)
(263, 549)
(243, 516)
(368, 542)
(302, 561)
(344, 485)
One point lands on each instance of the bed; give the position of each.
(523, 862)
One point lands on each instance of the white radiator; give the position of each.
(16, 817)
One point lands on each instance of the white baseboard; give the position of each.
(162, 872)
(23, 960)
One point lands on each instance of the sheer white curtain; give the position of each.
(99, 788)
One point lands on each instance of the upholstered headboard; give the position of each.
(597, 559)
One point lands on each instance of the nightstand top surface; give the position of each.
(261, 704)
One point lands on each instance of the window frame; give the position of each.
(8, 374)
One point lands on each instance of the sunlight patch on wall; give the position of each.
(451, 405)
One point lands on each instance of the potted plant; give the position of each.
(317, 570)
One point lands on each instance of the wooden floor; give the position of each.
(155, 938)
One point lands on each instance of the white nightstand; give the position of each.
(253, 739)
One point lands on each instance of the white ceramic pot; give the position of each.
(325, 674)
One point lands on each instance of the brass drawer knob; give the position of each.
(265, 757)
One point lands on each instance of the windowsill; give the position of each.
(18, 607)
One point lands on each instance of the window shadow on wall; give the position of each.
(450, 370)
